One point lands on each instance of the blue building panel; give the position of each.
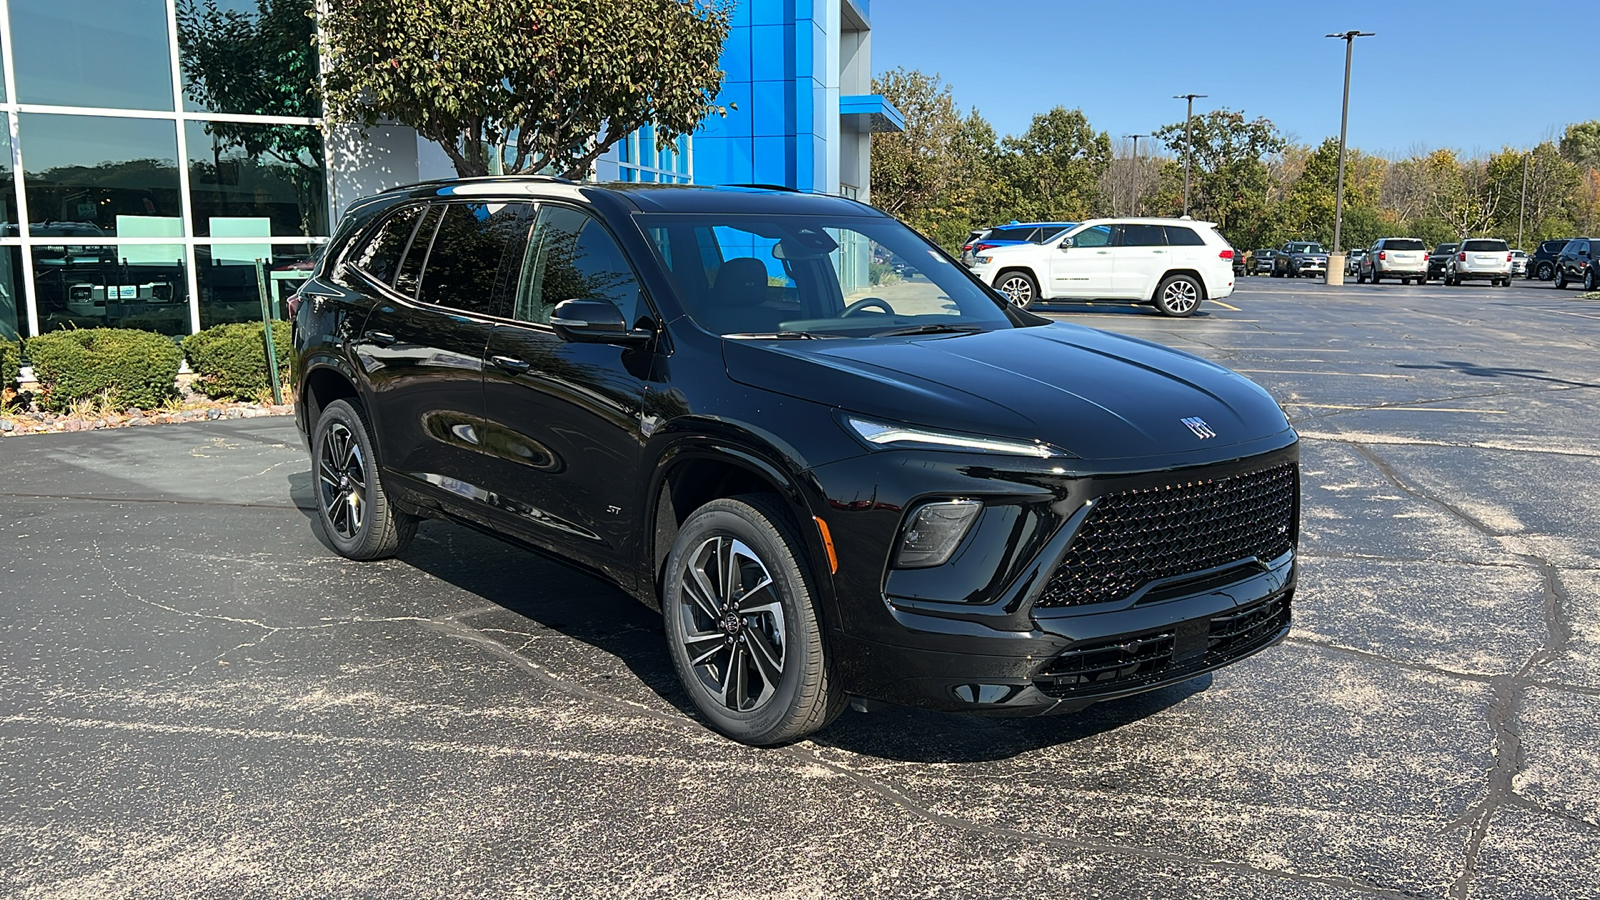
(771, 52)
(771, 12)
(774, 160)
(736, 55)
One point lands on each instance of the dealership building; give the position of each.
(138, 192)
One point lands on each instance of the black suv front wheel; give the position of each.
(741, 625)
(356, 514)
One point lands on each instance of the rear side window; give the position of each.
(1404, 244)
(1482, 246)
(1143, 236)
(1179, 236)
(463, 268)
(381, 256)
(417, 252)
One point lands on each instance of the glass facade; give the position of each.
(150, 153)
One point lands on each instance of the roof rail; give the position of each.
(552, 179)
(767, 187)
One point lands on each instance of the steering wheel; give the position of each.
(866, 303)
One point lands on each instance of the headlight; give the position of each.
(933, 533)
(981, 260)
(890, 435)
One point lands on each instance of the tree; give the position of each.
(538, 85)
(912, 168)
(1580, 144)
(1228, 168)
(1310, 204)
(1052, 171)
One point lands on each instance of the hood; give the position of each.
(1094, 394)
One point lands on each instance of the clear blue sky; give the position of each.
(1121, 61)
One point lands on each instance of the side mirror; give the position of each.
(594, 322)
(1066, 243)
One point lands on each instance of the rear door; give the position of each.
(1085, 269)
(567, 418)
(422, 350)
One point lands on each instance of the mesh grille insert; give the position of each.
(1135, 537)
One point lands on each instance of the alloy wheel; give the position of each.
(1180, 296)
(342, 479)
(1017, 290)
(733, 624)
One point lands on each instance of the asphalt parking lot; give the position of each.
(198, 699)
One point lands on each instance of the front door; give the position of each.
(567, 445)
(1085, 269)
(422, 349)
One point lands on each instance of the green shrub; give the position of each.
(231, 360)
(10, 364)
(123, 366)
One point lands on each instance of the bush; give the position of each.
(123, 366)
(231, 360)
(10, 364)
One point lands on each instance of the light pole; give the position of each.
(1188, 147)
(1349, 38)
(1522, 208)
(1136, 178)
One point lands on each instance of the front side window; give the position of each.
(571, 256)
(1093, 236)
(462, 269)
(816, 276)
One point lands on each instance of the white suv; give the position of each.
(1171, 263)
(1486, 259)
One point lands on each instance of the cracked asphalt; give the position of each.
(197, 699)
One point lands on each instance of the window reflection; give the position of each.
(13, 312)
(256, 57)
(120, 286)
(8, 185)
(92, 176)
(92, 53)
(228, 287)
(256, 180)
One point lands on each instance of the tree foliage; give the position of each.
(1052, 171)
(540, 85)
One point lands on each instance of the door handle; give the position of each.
(511, 364)
(381, 338)
(1103, 252)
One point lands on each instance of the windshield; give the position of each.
(1305, 248)
(812, 276)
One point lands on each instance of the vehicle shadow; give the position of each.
(590, 610)
(1473, 370)
(1105, 307)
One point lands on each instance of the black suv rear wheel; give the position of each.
(356, 514)
(741, 625)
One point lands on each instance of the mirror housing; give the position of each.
(1066, 243)
(595, 322)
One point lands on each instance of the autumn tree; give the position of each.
(1051, 172)
(1228, 166)
(535, 85)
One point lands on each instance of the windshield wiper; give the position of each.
(931, 328)
(778, 336)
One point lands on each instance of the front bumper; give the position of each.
(980, 634)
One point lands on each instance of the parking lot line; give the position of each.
(1448, 409)
(1321, 375)
(1217, 302)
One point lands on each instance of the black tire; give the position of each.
(1561, 279)
(1405, 281)
(1376, 277)
(1361, 276)
(1422, 279)
(354, 510)
(1588, 279)
(1547, 271)
(1179, 295)
(1017, 286)
(769, 634)
(1275, 274)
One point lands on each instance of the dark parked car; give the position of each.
(915, 493)
(1576, 264)
(1439, 258)
(1542, 264)
(1261, 260)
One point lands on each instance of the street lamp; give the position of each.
(1188, 147)
(1136, 184)
(1349, 38)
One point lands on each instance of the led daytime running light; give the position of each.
(885, 434)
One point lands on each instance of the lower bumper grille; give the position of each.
(1135, 537)
(1163, 655)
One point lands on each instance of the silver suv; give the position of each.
(1395, 257)
(1482, 259)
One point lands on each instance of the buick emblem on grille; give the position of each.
(1199, 427)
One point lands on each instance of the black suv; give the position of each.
(1576, 264)
(1439, 259)
(1542, 264)
(832, 477)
